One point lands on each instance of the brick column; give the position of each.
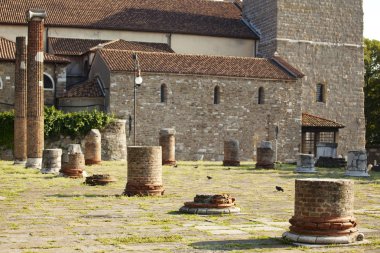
(231, 153)
(20, 152)
(324, 212)
(35, 111)
(167, 142)
(144, 171)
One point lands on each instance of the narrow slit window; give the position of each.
(216, 95)
(1, 83)
(260, 99)
(164, 93)
(320, 92)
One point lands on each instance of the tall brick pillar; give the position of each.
(20, 153)
(324, 212)
(35, 111)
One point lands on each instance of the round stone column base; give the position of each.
(305, 170)
(91, 162)
(169, 163)
(143, 190)
(33, 163)
(50, 170)
(264, 166)
(311, 239)
(354, 173)
(231, 163)
(19, 162)
(209, 211)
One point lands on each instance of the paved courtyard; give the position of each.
(45, 213)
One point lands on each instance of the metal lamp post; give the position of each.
(137, 82)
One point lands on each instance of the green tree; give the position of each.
(372, 90)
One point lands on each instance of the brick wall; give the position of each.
(201, 126)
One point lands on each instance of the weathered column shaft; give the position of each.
(20, 151)
(35, 111)
(167, 142)
(231, 153)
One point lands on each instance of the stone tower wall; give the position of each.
(323, 39)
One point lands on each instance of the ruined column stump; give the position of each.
(167, 142)
(305, 164)
(324, 212)
(114, 141)
(357, 164)
(73, 162)
(265, 156)
(231, 153)
(211, 204)
(144, 171)
(93, 147)
(51, 161)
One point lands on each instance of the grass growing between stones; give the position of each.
(45, 213)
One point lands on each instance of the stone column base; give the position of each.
(305, 170)
(19, 162)
(91, 162)
(231, 163)
(143, 190)
(33, 163)
(312, 239)
(168, 162)
(354, 173)
(265, 166)
(50, 170)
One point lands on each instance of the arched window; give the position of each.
(48, 82)
(1, 83)
(216, 95)
(164, 93)
(320, 93)
(260, 98)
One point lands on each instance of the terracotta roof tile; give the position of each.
(66, 46)
(201, 17)
(195, 64)
(8, 53)
(139, 46)
(309, 120)
(288, 67)
(7, 50)
(89, 88)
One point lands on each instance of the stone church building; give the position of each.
(213, 70)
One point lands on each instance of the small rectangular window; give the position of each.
(320, 92)
(1, 83)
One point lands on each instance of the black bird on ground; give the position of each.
(208, 177)
(279, 189)
(175, 166)
(196, 166)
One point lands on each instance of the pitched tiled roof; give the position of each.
(89, 88)
(138, 46)
(201, 17)
(309, 120)
(66, 46)
(195, 64)
(8, 53)
(7, 50)
(288, 67)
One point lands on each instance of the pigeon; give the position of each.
(175, 166)
(228, 168)
(279, 189)
(196, 166)
(208, 177)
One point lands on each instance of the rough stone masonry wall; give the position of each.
(7, 74)
(201, 126)
(323, 39)
(7, 69)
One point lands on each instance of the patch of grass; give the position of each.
(138, 239)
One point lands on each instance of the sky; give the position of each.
(372, 19)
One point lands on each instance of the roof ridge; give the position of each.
(195, 55)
